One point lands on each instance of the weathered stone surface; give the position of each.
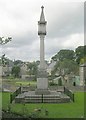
(53, 97)
(42, 83)
(42, 73)
(42, 91)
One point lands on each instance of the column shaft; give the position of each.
(42, 62)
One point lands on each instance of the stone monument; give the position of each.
(42, 94)
(42, 80)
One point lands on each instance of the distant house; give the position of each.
(51, 66)
(58, 79)
(5, 70)
(76, 80)
(82, 72)
(69, 78)
(23, 71)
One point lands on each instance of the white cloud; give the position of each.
(74, 41)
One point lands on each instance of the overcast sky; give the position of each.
(19, 19)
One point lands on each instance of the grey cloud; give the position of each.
(69, 20)
(63, 20)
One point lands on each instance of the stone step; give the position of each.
(45, 100)
(31, 97)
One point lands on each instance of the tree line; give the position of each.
(67, 60)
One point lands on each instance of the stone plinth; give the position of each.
(42, 86)
(42, 91)
(42, 82)
(53, 97)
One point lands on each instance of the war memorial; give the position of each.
(42, 94)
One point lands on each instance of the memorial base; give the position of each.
(42, 91)
(31, 97)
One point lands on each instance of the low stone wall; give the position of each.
(69, 93)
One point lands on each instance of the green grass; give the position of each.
(17, 82)
(64, 110)
(26, 83)
(0, 101)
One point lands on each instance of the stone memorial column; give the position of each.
(42, 80)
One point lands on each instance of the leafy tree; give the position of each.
(66, 67)
(4, 60)
(69, 66)
(18, 62)
(83, 60)
(80, 53)
(37, 62)
(54, 57)
(16, 71)
(4, 40)
(33, 68)
(66, 54)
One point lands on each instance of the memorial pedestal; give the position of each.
(42, 83)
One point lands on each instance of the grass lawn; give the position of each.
(0, 101)
(25, 82)
(17, 82)
(64, 110)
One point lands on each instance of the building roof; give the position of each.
(53, 63)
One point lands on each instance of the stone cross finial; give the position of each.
(42, 7)
(42, 18)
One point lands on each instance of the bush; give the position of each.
(60, 82)
(52, 84)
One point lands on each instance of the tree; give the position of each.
(4, 40)
(18, 62)
(54, 57)
(80, 53)
(5, 60)
(33, 69)
(66, 67)
(16, 71)
(69, 66)
(66, 54)
(83, 60)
